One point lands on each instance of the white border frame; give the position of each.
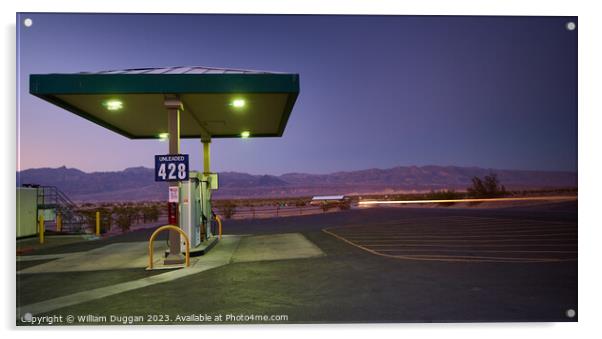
(590, 113)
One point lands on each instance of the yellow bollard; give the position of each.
(219, 223)
(154, 235)
(41, 228)
(97, 223)
(59, 222)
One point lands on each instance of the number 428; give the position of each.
(172, 171)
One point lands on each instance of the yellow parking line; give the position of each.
(460, 226)
(455, 220)
(448, 258)
(459, 236)
(470, 246)
(453, 228)
(463, 240)
(472, 251)
(483, 258)
(454, 233)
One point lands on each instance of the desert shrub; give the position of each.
(150, 213)
(89, 217)
(106, 219)
(124, 216)
(344, 205)
(227, 209)
(301, 203)
(488, 187)
(137, 213)
(443, 195)
(327, 206)
(123, 221)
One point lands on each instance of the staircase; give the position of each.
(51, 198)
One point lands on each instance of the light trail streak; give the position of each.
(385, 202)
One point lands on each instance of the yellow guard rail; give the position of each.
(219, 223)
(154, 235)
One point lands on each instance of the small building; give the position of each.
(27, 211)
(328, 199)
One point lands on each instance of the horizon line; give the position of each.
(328, 173)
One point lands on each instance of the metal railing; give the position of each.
(50, 197)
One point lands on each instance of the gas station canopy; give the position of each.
(222, 103)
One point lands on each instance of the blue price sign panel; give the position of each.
(171, 167)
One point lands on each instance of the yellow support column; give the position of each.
(97, 223)
(205, 227)
(41, 228)
(206, 157)
(59, 222)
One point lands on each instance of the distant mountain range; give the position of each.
(137, 183)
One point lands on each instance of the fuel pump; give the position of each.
(195, 214)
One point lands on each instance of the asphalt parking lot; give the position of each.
(380, 265)
(456, 238)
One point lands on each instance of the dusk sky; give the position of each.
(376, 91)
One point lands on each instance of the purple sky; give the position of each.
(376, 91)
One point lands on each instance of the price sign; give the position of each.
(171, 167)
